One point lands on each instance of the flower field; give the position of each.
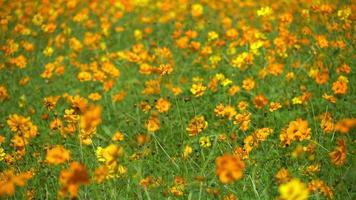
(185, 99)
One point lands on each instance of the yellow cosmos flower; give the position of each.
(205, 142)
(293, 190)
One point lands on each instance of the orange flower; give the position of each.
(329, 98)
(340, 86)
(243, 120)
(273, 106)
(9, 180)
(198, 89)
(101, 173)
(343, 69)
(319, 185)
(234, 89)
(260, 101)
(89, 120)
(296, 130)
(322, 41)
(338, 156)
(118, 137)
(78, 103)
(197, 10)
(119, 96)
(22, 125)
(3, 93)
(51, 102)
(71, 179)
(248, 84)
(345, 125)
(165, 69)
(283, 175)
(162, 105)
(229, 168)
(57, 155)
(153, 124)
(225, 111)
(197, 125)
(94, 96)
(275, 69)
(231, 33)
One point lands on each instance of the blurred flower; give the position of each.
(57, 155)
(338, 156)
(162, 105)
(71, 179)
(197, 10)
(264, 11)
(229, 168)
(9, 180)
(293, 190)
(197, 125)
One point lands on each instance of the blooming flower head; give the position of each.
(3, 93)
(338, 156)
(205, 142)
(340, 85)
(187, 151)
(296, 130)
(162, 105)
(57, 155)
(293, 190)
(229, 168)
(283, 175)
(197, 125)
(248, 84)
(109, 154)
(118, 137)
(9, 180)
(264, 11)
(273, 106)
(71, 179)
(197, 89)
(260, 101)
(153, 124)
(197, 10)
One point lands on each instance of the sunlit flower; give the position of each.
(293, 190)
(162, 105)
(338, 156)
(187, 151)
(57, 155)
(264, 11)
(2, 154)
(229, 168)
(3, 93)
(9, 180)
(71, 179)
(153, 124)
(283, 175)
(320, 186)
(118, 137)
(296, 130)
(248, 84)
(205, 142)
(273, 106)
(197, 89)
(196, 125)
(197, 10)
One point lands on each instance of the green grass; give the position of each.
(166, 145)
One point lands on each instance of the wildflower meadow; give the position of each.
(177, 99)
